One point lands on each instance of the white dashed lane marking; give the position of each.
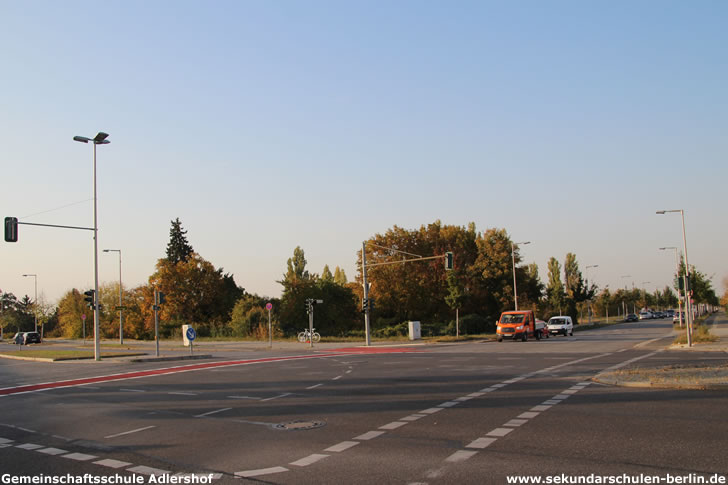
(481, 443)
(29, 446)
(80, 456)
(112, 463)
(460, 455)
(52, 451)
(393, 425)
(129, 432)
(147, 470)
(369, 435)
(261, 471)
(215, 412)
(344, 445)
(309, 460)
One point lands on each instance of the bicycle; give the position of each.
(305, 336)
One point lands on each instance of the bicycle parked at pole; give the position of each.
(305, 336)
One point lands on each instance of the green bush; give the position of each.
(472, 324)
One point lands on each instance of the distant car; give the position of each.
(32, 338)
(645, 315)
(19, 338)
(670, 313)
(631, 318)
(561, 325)
(678, 316)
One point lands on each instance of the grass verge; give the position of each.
(57, 355)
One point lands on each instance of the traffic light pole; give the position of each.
(367, 307)
(366, 292)
(310, 324)
(156, 320)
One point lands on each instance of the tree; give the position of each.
(340, 276)
(337, 316)
(178, 249)
(296, 268)
(71, 308)
(326, 274)
(555, 289)
(196, 292)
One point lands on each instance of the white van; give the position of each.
(561, 325)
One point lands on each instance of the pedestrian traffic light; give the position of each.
(448, 260)
(11, 229)
(89, 297)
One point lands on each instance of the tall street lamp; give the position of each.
(644, 290)
(99, 139)
(677, 269)
(513, 258)
(625, 290)
(121, 308)
(688, 303)
(35, 302)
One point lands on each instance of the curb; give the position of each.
(666, 385)
(168, 359)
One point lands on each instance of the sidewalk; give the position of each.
(691, 373)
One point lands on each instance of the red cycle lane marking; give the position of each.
(185, 368)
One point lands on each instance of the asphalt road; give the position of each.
(436, 414)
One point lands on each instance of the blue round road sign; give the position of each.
(191, 334)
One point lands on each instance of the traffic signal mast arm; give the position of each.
(371, 265)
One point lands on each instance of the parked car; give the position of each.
(670, 313)
(32, 338)
(678, 316)
(631, 318)
(645, 315)
(561, 325)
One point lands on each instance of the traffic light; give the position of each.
(364, 305)
(371, 305)
(89, 298)
(11, 229)
(161, 299)
(448, 260)
(309, 306)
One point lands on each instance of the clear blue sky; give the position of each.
(268, 125)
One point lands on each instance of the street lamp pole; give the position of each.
(688, 303)
(121, 309)
(513, 258)
(677, 269)
(624, 304)
(644, 290)
(35, 302)
(99, 139)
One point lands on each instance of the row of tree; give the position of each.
(480, 286)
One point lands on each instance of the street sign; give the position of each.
(83, 316)
(269, 306)
(191, 334)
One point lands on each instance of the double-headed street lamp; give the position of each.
(99, 139)
(121, 309)
(35, 302)
(688, 303)
(677, 268)
(513, 258)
